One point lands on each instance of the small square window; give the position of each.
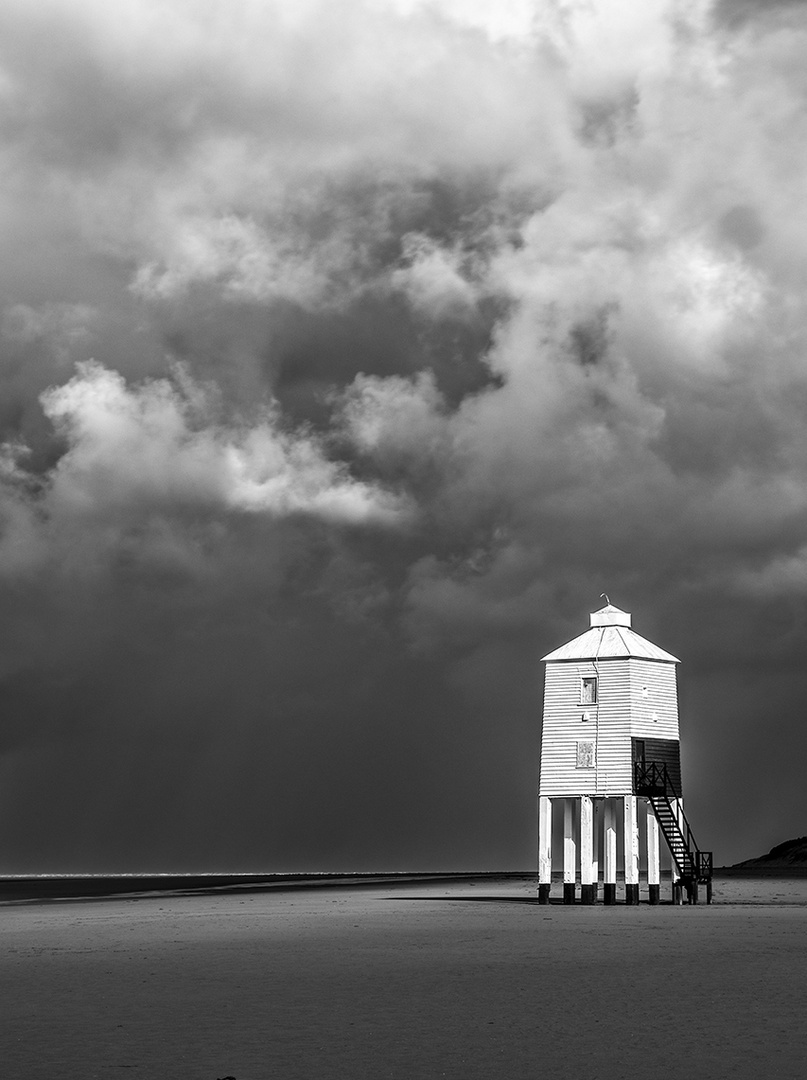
(588, 691)
(585, 755)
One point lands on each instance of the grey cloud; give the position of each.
(472, 330)
(736, 13)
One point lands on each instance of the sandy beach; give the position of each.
(454, 980)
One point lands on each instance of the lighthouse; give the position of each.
(611, 768)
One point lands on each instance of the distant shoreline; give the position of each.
(784, 870)
(91, 886)
(100, 886)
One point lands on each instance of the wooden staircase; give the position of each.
(694, 866)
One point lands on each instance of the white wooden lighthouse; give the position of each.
(610, 766)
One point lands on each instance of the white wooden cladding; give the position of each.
(635, 699)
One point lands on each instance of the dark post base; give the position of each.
(653, 894)
(631, 894)
(543, 894)
(609, 893)
(588, 894)
(677, 893)
(709, 891)
(568, 892)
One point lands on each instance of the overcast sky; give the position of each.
(350, 349)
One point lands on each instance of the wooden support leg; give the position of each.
(678, 885)
(544, 849)
(709, 891)
(569, 852)
(609, 854)
(653, 857)
(631, 850)
(587, 871)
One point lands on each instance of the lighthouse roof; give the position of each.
(610, 637)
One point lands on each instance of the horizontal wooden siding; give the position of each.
(635, 698)
(654, 700)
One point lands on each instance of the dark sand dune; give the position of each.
(410, 981)
(788, 859)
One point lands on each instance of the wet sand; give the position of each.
(417, 980)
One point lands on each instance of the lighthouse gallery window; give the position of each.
(588, 691)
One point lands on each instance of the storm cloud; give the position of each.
(348, 352)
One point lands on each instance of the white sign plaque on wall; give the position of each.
(585, 755)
